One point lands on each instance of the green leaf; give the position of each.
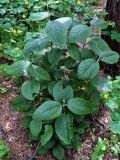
(39, 16)
(101, 83)
(76, 141)
(51, 86)
(116, 126)
(4, 150)
(48, 110)
(55, 55)
(80, 33)
(99, 23)
(47, 135)
(66, 21)
(116, 116)
(64, 128)
(30, 87)
(88, 69)
(35, 127)
(35, 45)
(74, 51)
(21, 104)
(56, 33)
(80, 106)
(43, 149)
(98, 45)
(39, 72)
(109, 57)
(61, 93)
(115, 36)
(86, 53)
(18, 68)
(26, 121)
(58, 152)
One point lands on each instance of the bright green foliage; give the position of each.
(61, 83)
(99, 150)
(112, 100)
(104, 146)
(4, 150)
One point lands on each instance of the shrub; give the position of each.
(61, 68)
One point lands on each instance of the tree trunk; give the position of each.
(113, 10)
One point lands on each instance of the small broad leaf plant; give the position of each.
(61, 69)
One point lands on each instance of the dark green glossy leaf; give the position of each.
(64, 128)
(48, 110)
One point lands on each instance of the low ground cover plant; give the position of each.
(112, 100)
(4, 150)
(19, 17)
(62, 82)
(106, 146)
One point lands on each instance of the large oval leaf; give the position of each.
(47, 135)
(88, 69)
(58, 152)
(55, 55)
(79, 33)
(80, 106)
(48, 110)
(35, 127)
(39, 72)
(35, 45)
(30, 87)
(21, 104)
(116, 126)
(56, 33)
(64, 128)
(99, 23)
(66, 21)
(109, 57)
(61, 93)
(74, 51)
(39, 16)
(98, 45)
(76, 141)
(18, 68)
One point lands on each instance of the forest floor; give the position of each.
(17, 138)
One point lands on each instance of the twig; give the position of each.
(34, 152)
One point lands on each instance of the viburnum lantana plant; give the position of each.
(62, 83)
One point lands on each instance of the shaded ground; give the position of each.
(12, 132)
